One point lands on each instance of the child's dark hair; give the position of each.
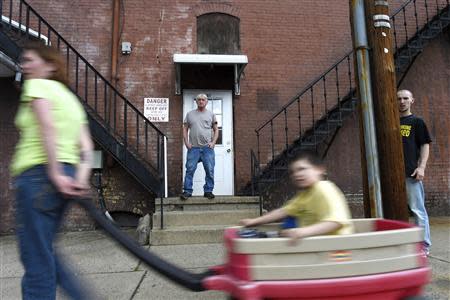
(309, 156)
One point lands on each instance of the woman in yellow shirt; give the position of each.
(319, 207)
(51, 164)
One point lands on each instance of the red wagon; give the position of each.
(382, 260)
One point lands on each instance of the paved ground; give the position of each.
(114, 274)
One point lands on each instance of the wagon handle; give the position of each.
(176, 274)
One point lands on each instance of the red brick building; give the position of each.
(287, 44)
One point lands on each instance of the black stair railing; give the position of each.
(255, 172)
(301, 112)
(116, 123)
(413, 26)
(327, 97)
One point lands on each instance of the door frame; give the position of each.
(226, 144)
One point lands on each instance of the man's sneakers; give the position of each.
(185, 196)
(209, 195)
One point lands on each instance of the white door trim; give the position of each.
(221, 104)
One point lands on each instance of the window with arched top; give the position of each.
(218, 33)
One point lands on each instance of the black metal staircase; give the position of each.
(116, 124)
(311, 119)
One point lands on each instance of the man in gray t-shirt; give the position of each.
(200, 134)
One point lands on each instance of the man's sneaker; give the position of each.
(209, 195)
(185, 196)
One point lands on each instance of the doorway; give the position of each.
(220, 103)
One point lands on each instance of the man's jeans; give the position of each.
(194, 156)
(40, 209)
(416, 201)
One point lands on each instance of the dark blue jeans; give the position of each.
(40, 209)
(194, 156)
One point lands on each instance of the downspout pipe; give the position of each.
(365, 92)
(115, 28)
(115, 41)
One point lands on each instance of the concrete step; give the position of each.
(198, 220)
(198, 234)
(208, 217)
(202, 204)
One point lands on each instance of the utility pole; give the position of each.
(386, 114)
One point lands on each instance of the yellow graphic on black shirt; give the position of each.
(405, 130)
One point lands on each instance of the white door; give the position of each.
(219, 102)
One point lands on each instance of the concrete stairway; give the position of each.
(199, 220)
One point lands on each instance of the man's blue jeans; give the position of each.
(416, 202)
(194, 156)
(40, 209)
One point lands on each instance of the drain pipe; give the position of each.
(115, 29)
(365, 92)
(115, 41)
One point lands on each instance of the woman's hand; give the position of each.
(68, 186)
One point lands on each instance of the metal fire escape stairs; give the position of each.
(320, 135)
(116, 124)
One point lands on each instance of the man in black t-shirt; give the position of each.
(416, 149)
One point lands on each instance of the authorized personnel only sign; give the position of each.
(156, 109)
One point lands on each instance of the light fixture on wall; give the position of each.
(126, 48)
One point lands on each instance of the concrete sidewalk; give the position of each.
(114, 274)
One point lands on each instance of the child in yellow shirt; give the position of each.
(319, 206)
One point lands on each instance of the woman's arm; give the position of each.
(83, 172)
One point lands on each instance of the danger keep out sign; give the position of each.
(156, 109)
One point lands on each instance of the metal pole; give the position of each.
(365, 93)
(165, 169)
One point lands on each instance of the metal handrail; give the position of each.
(255, 171)
(342, 74)
(335, 86)
(304, 90)
(320, 77)
(125, 123)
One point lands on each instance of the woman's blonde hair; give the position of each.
(50, 55)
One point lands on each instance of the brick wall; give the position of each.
(288, 43)
(86, 25)
(8, 107)
(272, 36)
